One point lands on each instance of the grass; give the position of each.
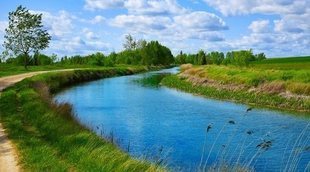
(293, 63)
(151, 81)
(263, 80)
(47, 136)
(251, 98)
(275, 83)
(9, 69)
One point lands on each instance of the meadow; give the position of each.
(284, 63)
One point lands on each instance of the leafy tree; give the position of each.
(42, 59)
(141, 44)
(216, 57)
(260, 56)
(180, 58)
(112, 57)
(228, 59)
(25, 34)
(201, 58)
(242, 58)
(156, 54)
(130, 43)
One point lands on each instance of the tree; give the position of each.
(260, 56)
(25, 34)
(180, 58)
(216, 57)
(201, 57)
(141, 44)
(130, 43)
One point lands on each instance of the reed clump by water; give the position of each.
(152, 80)
(47, 136)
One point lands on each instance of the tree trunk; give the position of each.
(26, 61)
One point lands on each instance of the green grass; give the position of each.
(151, 81)
(9, 69)
(47, 136)
(241, 96)
(293, 63)
(295, 81)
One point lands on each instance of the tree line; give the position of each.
(238, 58)
(138, 52)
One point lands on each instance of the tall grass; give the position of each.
(152, 80)
(242, 96)
(47, 136)
(259, 143)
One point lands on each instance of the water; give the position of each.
(163, 122)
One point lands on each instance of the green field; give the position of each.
(283, 63)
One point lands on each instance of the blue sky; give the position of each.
(276, 27)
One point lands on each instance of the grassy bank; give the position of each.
(281, 89)
(47, 136)
(9, 69)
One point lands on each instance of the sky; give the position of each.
(276, 27)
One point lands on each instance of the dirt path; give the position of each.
(8, 153)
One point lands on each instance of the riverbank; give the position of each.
(46, 134)
(250, 86)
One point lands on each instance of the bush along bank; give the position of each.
(46, 134)
(241, 96)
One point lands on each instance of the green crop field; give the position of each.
(295, 63)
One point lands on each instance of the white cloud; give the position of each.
(57, 25)
(200, 21)
(237, 7)
(97, 19)
(138, 7)
(287, 35)
(3, 26)
(103, 4)
(89, 34)
(293, 23)
(63, 27)
(154, 7)
(77, 45)
(260, 26)
(192, 25)
(140, 23)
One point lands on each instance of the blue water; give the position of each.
(162, 123)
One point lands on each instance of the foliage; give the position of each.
(25, 34)
(156, 54)
(215, 58)
(151, 81)
(238, 58)
(130, 43)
